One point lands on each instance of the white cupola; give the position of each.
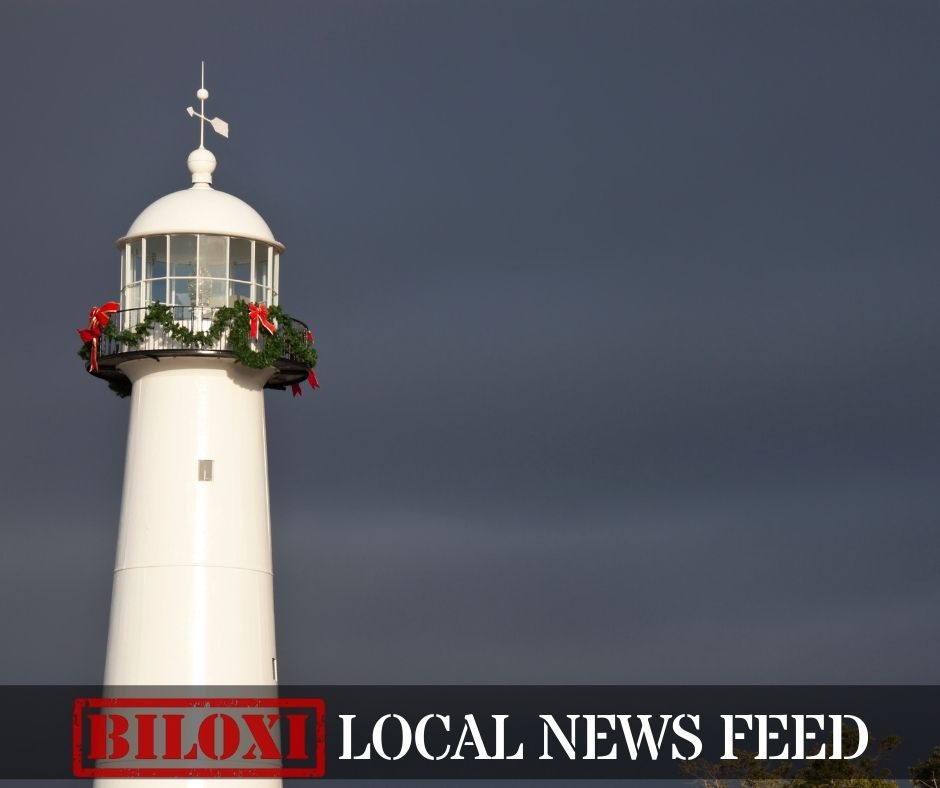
(199, 247)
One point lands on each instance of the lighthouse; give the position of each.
(194, 340)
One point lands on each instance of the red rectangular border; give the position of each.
(317, 704)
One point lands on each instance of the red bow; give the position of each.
(310, 336)
(97, 317)
(311, 379)
(258, 313)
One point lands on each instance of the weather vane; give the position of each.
(218, 125)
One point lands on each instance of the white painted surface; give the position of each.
(201, 163)
(192, 601)
(201, 209)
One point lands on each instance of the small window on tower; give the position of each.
(205, 470)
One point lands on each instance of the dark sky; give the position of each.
(627, 312)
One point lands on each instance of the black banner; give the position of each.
(472, 732)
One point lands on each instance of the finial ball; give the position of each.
(201, 163)
(202, 94)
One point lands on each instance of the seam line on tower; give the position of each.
(202, 566)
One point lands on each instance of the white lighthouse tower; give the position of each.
(196, 338)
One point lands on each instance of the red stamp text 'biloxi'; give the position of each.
(198, 737)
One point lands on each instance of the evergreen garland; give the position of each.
(287, 340)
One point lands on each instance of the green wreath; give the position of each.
(287, 340)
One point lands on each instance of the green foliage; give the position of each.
(864, 772)
(927, 773)
(288, 340)
(748, 772)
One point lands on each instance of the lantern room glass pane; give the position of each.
(156, 257)
(240, 259)
(240, 291)
(132, 296)
(262, 254)
(156, 291)
(182, 255)
(211, 292)
(212, 256)
(134, 263)
(203, 270)
(182, 292)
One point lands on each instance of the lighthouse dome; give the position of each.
(198, 248)
(201, 209)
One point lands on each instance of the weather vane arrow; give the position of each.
(219, 126)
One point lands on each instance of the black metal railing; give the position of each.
(195, 318)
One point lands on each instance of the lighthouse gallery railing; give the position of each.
(195, 318)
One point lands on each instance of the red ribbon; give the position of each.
(91, 335)
(310, 336)
(258, 313)
(97, 317)
(311, 379)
